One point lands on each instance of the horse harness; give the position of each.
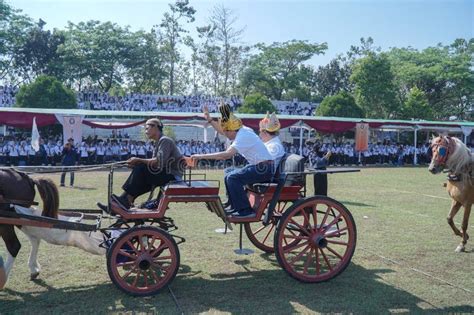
(444, 148)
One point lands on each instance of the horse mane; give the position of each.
(461, 161)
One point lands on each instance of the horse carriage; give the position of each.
(313, 237)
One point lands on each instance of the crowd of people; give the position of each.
(17, 151)
(92, 99)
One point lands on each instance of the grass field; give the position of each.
(404, 260)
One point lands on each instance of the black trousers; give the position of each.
(321, 183)
(142, 180)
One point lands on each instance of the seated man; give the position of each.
(250, 146)
(269, 128)
(167, 164)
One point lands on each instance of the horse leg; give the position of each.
(33, 263)
(13, 246)
(465, 221)
(455, 206)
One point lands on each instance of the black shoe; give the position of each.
(122, 201)
(103, 207)
(150, 204)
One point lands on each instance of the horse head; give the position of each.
(442, 147)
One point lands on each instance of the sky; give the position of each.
(391, 23)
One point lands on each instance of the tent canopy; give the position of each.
(23, 118)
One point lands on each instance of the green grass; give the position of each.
(403, 262)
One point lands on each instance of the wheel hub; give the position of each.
(144, 263)
(319, 241)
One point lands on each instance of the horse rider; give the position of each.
(260, 167)
(167, 164)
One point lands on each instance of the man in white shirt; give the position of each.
(269, 128)
(250, 146)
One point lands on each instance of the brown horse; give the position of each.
(451, 154)
(16, 187)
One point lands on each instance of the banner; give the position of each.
(362, 137)
(35, 137)
(72, 127)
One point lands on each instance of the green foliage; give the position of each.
(279, 67)
(45, 92)
(374, 86)
(416, 106)
(332, 78)
(340, 105)
(256, 104)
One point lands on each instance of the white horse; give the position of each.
(452, 154)
(87, 241)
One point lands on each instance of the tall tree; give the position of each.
(171, 33)
(374, 86)
(39, 53)
(277, 69)
(332, 78)
(416, 106)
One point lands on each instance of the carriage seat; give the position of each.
(290, 163)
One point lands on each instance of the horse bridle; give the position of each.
(444, 148)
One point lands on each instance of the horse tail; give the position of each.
(50, 196)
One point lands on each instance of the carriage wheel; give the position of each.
(262, 236)
(326, 233)
(143, 260)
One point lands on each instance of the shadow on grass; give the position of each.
(356, 290)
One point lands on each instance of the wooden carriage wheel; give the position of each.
(326, 233)
(262, 236)
(143, 260)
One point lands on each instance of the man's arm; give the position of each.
(211, 121)
(216, 156)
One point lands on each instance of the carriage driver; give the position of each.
(250, 146)
(167, 164)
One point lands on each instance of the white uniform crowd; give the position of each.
(97, 100)
(18, 151)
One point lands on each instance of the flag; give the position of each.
(362, 137)
(35, 137)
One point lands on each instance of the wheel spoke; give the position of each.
(124, 253)
(129, 272)
(296, 237)
(161, 258)
(304, 230)
(309, 258)
(326, 259)
(315, 216)
(259, 229)
(333, 222)
(160, 248)
(132, 247)
(286, 250)
(334, 252)
(318, 265)
(134, 284)
(153, 273)
(337, 242)
(325, 216)
(268, 234)
(293, 261)
(128, 263)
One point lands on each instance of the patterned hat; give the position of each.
(270, 123)
(228, 120)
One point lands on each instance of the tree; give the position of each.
(45, 92)
(342, 104)
(13, 32)
(96, 52)
(39, 52)
(332, 78)
(170, 33)
(416, 106)
(375, 90)
(278, 68)
(256, 104)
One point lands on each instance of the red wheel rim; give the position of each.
(144, 261)
(262, 236)
(326, 236)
